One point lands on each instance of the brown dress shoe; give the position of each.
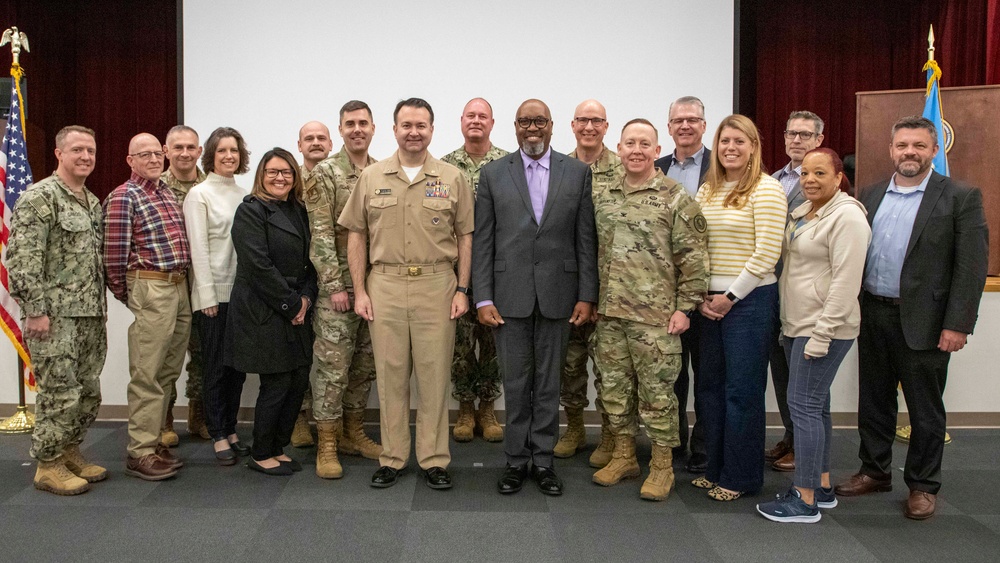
(786, 463)
(861, 484)
(149, 467)
(777, 452)
(920, 505)
(169, 458)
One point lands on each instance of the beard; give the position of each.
(533, 149)
(912, 168)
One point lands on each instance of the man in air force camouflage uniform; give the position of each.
(57, 277)
(473, 378)
(651, 257)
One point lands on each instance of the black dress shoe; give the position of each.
(239, 448)
(385, 477)
(512, 479)
(226, 457)
(437, 478)
(697, 463)
(291, 464)
(281, 470)
(547, 481)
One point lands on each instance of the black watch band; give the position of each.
(732, 297)
(461, 289)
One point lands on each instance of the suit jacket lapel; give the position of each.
(555, 182)
(516, 167)
(931, 196)
(278, 219)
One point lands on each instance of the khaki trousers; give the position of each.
(157, 342)
(412, 332)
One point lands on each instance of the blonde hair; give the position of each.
(716, 175)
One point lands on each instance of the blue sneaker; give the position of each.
(789, 508)
(826, 498)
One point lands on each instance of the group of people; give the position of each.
(487, 272)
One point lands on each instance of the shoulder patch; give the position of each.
(37, 202)
(699, 223)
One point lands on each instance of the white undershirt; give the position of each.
(411, 172)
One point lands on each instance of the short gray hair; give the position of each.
(803, 114)
(684, 101)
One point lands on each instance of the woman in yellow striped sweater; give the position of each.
(745, 209)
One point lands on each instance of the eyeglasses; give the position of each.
(146, 155)
(525, 122)
(692, 121)
(272, 173)
(804, 135)
(597, 121)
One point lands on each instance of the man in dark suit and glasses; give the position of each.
(534, 272)
(923, 280)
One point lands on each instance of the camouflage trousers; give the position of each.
(471, 377)
(640, 363)
(573, 381)
(67, 368)
(192, 390)
(344, 365)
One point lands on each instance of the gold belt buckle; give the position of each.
(414, 270)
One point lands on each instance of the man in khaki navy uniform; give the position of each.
(473, 378)
(418, 212)
(315, 145)
(590, 124)
(345, 368)
(57, 277)
(183, 151)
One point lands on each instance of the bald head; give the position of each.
(533, 127)
(142, 139)
(145, 156)
(590, 124)
(315, 143)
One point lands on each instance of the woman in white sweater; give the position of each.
(209, 209)
(826, 242)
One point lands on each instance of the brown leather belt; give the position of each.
(412, 269)
(171, 277)
(891, 300)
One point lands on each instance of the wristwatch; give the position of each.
(732, 297)
(461, 289)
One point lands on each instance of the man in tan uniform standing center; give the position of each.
(418, 213)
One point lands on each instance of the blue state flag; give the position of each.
(932, 111)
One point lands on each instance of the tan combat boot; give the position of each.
(661, 474)
(575, 437)
(54, 477)
(302, 435)
(196, 419)
(602, 455)
(82, 468)
(486, 422)
(623, 464)
(327, 464)
(168, 437)
(353, 440)
(466, 423)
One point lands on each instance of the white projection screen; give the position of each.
(267, 68)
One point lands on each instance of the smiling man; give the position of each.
(651, 257)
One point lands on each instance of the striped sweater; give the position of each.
(744, 244)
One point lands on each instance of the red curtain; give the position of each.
(109, 65)
(816, 55)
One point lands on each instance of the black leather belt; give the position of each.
(891, 300)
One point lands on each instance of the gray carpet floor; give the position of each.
(212, 513)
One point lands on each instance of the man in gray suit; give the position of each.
(803, 133)
(535, 273)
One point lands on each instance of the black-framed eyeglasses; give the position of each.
(692, 121)
(525, 122)
(272, 173)
(146, 155)
(597, 121)
(804, 135)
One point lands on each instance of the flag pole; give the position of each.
(22, 421)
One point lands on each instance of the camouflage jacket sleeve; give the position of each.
(26, 252)
(689, 240)
(321, 201)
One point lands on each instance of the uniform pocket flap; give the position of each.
(437, 204)
(383, 202)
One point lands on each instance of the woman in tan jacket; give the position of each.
(826, 242)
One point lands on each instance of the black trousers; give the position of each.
(222, 385)
(278, 405)
(531, 352)
(779, 377)
(689, 357)
(885, 361)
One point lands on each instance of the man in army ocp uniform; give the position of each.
(473, 378)
(651, 256)
(57, 277)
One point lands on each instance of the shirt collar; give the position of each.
(921, 187)
(788, 170)
(146, 184)
(545, 161)
(696, 156)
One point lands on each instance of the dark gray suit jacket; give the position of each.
(944, 270)
(663, 163)
(796, 197)
(515, 261)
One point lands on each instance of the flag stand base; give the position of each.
(22, 422)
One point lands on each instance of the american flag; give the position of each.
(15, 177)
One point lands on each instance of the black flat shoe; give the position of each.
(239, 448)
(512, 479)
(385, 477)
(697, 463)
(437, 478)
(281, 470)
(291, 464)
(547, 481)
(226, 457)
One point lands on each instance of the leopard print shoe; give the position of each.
(720, 494)
(703, 483)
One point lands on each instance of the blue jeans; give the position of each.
(731, 386)
(809, 384)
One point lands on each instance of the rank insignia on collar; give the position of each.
(383, 191)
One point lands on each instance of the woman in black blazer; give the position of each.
(269, 330)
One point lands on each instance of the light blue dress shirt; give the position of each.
(687, 173)
(891, 230)
(788, 177)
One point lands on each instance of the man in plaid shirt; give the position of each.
(146, 257)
